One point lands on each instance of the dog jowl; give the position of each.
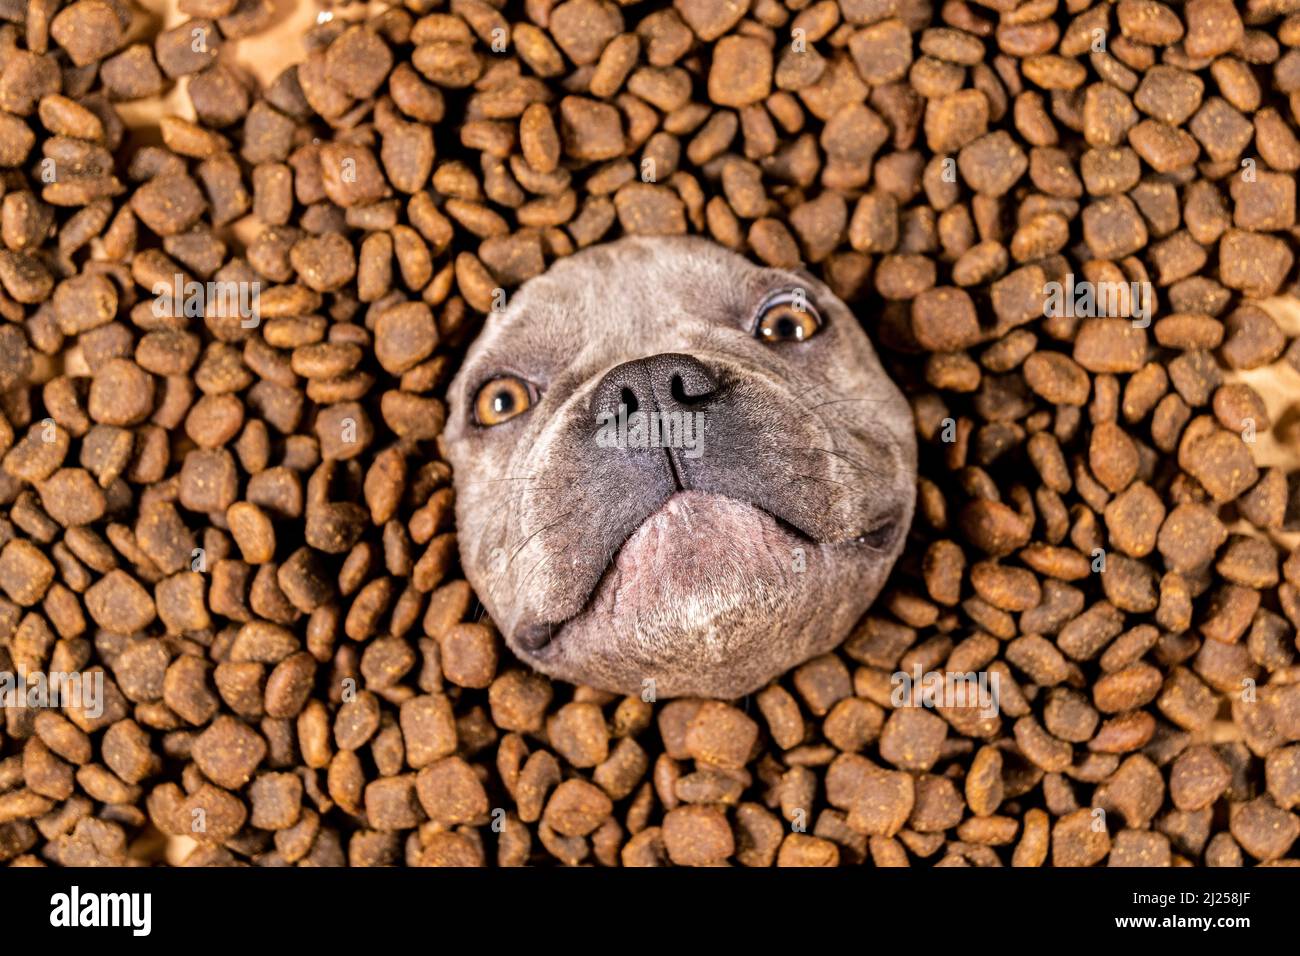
(676, 470)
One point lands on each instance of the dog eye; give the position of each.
(787, 316)
(501, 399)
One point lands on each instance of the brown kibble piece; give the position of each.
(720, 735)
(578, 732)
(697, 836)
(741, 72)
(88, 29)
(228, 752)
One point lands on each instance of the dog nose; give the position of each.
(658, 383)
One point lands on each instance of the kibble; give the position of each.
(255, 522)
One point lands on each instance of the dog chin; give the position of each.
(696, 559)
(692, 596)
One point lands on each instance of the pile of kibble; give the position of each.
(246, 527)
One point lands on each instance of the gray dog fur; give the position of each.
(709, 575)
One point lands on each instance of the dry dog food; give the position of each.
(221, 363)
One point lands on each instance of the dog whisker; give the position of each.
(839, 401)
(839, 455)
(540, 530)
(544, 558)
(829, 481)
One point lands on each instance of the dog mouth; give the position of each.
(698, 541)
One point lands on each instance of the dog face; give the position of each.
(674, 466)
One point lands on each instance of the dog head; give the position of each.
(674, 466)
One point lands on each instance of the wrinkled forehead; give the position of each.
(624, 295)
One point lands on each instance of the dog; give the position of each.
(677, 473)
